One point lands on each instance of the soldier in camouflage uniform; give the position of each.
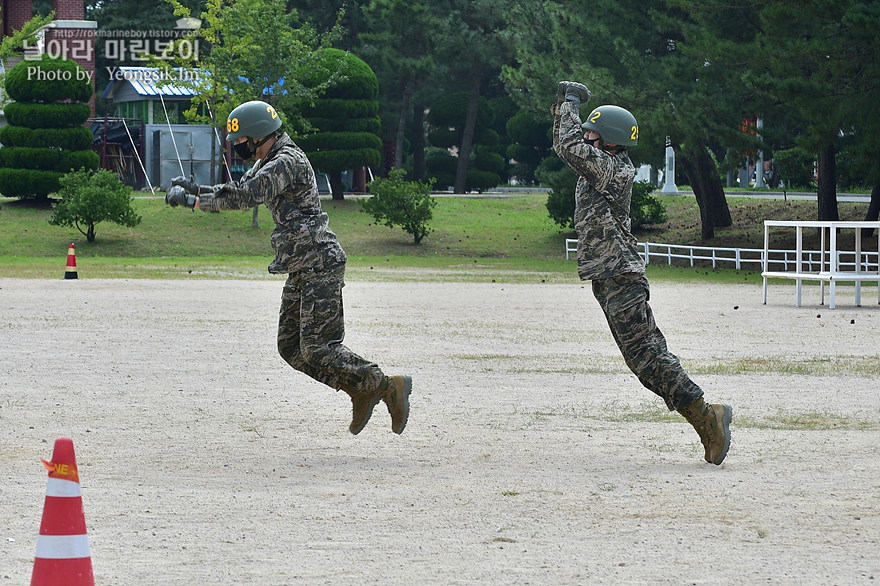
(310, 326)
(608, 256)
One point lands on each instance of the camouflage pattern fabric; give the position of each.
(285, 182)
(311, 323)
(311, 329)
(608, 255)
(624, 300)
(606, 247)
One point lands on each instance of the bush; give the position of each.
(645, 208)
(561, 180)
(46, 115)
(45, 137)
(61, 80)
(397, 202)
(71, 139)
(795, 167)
(24, 183)
(88, 198)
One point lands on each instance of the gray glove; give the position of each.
(188, 184)
(572, 91)
(177, 196)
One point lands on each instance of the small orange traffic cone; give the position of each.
(70, 273)
(63, 555)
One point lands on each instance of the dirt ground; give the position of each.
(532, 456)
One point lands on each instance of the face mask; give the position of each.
(243, 150)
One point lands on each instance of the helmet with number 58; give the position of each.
(255, 119)
(614, 124)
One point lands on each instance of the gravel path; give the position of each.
(532, 456)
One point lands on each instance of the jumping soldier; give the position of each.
(608, 256)
(310, 326)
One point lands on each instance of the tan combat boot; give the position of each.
(712, 422)
(362, 405)
(395, 392)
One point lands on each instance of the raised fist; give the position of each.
(572, 91)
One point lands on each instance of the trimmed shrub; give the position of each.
(71, 139)
(46, 115)
(45, 137)
(371, 125)
(645, 208)
(23, 183)
(326, 141)
(351, 106)
(48, 80)
(796, 167)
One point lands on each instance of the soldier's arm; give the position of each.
(250, 191)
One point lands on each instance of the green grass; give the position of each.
(507, 239)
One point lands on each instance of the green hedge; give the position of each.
(373, 124)
(444, 138)
(28, 182)
(359, 81)
(48, 159)
(333, 161)
(486, 160)
(70, 139)
(48, 80)
(481, 181)
(333, 108)
(46, 115)
(324, 141)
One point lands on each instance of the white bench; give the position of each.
(861, 270)
(571, 245)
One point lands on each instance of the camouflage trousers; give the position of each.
(624, 299)
(311, 327)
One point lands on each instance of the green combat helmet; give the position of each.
(253, 119)
(614, 124)
(257, 121)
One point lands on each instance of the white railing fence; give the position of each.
(738, 258)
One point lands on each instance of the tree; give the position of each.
(345, 118)
(644, 71)
(449, 122)
(397, 202)
(530, 144)
(474, 42)
(89, 198)
(815, 60)
(256, 52)
(398, 45)
(45, 137)
(256, 49)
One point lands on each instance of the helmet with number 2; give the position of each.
(254, 120)
(614, 124)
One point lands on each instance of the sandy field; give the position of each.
(532, 456)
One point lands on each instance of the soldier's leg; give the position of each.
(624, 300)
(289, 327)
(322, 329)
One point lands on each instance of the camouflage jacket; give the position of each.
(285, 182)
(606, 247)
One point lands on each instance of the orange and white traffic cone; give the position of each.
(63, 555)
(70, 273)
